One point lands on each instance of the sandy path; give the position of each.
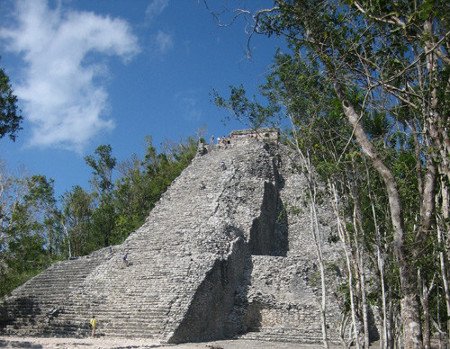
(123, 343)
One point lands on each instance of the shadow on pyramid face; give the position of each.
(25, 308)
(269, 232)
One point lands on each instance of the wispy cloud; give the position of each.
(189, 106)
(155, 8)
(64, 96)
(164, 41)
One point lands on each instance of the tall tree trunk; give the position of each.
(425, 300)
(360, 263)
(391, 323)
(343, 235)
(323, 303)
(312, 187)
(384, 342)
(444, 275)
(342, 331)
(443, 232)
(436, 123)
(67, 235)
(380, 264)
(412, 330)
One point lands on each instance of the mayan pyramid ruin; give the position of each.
(226, 252)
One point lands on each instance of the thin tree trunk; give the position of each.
(437, 325)
(444, 274)
(360, 264)
(69, 245)
(436, 123)
(315, 232)
(323, 305)
(425, 300)
(364, 305)
(409, 307)
(391, 327)
(380, 263)
(348, 256)
(444, 242)
(312, 187)
(342, 329)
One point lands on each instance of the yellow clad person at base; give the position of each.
(93, 323)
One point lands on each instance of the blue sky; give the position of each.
(91, 72)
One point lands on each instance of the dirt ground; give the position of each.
(123, 343)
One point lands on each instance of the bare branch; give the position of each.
(253, 23)
(443, 56)
(419, 57)
(390, 18)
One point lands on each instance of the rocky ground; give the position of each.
(122, 343)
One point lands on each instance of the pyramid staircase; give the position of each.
(220, 255)
(192, 232)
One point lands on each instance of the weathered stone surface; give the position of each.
(227, 251)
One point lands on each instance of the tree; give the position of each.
(31, 236)
(40, 199)
(391, 58)
(10, 117)
(123, 205)
(34, 232)
(143, 182)
(103, 164)
(76, 218)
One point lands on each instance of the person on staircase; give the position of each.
(125, 260)
(93, 323)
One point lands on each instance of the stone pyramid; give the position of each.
(226, 252)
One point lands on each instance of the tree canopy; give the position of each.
(10, 117)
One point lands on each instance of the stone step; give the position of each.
(284, 335)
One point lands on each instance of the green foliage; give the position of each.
(31, 234)
(100, 219)
(78, 206)
(10, 118)
(376, 124)
(34, 232)
(102, 164)
(247, 111)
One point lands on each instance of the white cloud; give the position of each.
(63, 95)
(155, 8)
(188, 104)
(164, 41)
